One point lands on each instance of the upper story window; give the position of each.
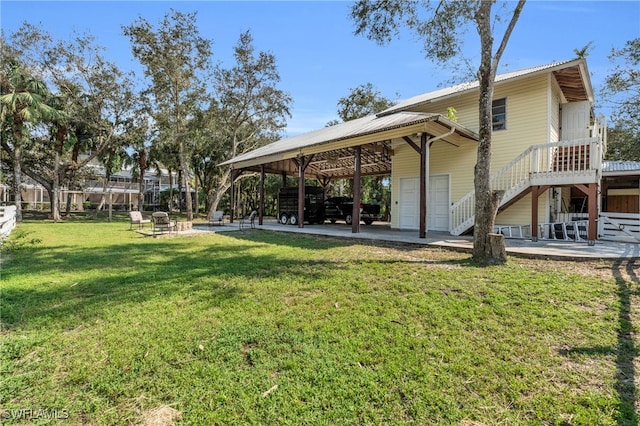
(499, 109)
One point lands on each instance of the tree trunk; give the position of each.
(141, 190)
(55, 199)
(170, 201)
(17, 181)
(103, 199)
(196, 200)
(218, 193)
(497, 248)
(487, 201)
(185, 180)
(68, 206)
(52, 194)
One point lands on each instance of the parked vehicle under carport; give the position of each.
(341, 208)
(288, 205)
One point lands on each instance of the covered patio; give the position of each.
(357, 148)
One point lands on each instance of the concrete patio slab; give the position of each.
(547, 249)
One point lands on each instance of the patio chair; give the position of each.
(135, 218)
(217, 218)
(162, 223)
(249, 219)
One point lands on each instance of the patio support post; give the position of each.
(302, 163)
(422, 150)
(536, 192)
(301, 193)
(424, 161)
(232, 193)
(355, 213)
(261, 207)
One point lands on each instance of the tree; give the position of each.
(441, 26)
(177, 60)
(23, 103)
(139, 135)
(622, 89)
(250, 110)
(361, 101)
(97, 99)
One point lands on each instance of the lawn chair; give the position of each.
(162, 223)
(217, 218)
(249, 220)
(135, 218)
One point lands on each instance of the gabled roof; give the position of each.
(374, 132)
(557, 67)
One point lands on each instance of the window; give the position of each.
(499, 109)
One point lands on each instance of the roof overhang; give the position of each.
(572, 76)
(331, 146)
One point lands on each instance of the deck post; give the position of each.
(536, 192)
(534, 213)
(355, 212)
(592, 232)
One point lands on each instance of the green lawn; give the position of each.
(110, 327)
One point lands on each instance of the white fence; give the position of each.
(623, 227)
(7, 220)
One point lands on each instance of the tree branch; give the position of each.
(507, 33)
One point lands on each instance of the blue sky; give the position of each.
(319, 57)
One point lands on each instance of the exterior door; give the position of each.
(575, 120)
(438, 203)
(409, 203)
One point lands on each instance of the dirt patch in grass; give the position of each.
(163, 415)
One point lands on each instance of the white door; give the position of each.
(438, 203)
(575, 120)
(409, 203)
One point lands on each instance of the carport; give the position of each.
(361, 147)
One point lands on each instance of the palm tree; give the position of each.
(22, 102)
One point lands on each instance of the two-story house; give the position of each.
(546, 154)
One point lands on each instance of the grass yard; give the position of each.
(109, 327)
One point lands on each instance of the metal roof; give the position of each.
(361, 127)
(620, 167)
(374, 132)
(473, 85)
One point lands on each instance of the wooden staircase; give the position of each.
(555, 163)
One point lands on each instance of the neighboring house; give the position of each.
(123, 189)
(547, 155)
